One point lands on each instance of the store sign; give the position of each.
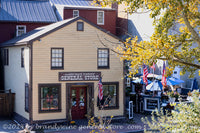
(79, 76)
(130, 110)
(151, 104)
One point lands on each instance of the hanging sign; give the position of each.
(79, 76)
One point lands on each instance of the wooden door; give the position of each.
(78, 102)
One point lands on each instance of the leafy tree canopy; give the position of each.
(176, 35)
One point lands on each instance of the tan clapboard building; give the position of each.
(54, 71)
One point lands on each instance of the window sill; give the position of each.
(49, 111)
(106, 67)
(57, 68)
(100, 23)
(109, 108)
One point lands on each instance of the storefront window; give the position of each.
(110, 96)
(50, 97)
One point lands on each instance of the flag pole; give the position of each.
(153, 78)
(153, 83)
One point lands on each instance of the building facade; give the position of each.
(55, 71)
(103, 17)
(18, 17)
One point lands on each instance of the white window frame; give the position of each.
(74, 14)
(17, 29)
(105, 57)
(100, 23)
(57, 59)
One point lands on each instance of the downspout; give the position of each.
(30, 83)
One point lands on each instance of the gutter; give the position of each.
(30, 83)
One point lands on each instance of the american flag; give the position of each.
(145, 73)
(164, 81)
(100, 94)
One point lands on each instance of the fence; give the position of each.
(6, 103)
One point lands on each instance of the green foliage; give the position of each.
(185, 118)
(173, 94)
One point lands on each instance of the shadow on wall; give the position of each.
(1, 71)
(122, 26)
(133, 31)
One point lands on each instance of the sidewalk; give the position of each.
(118, 127)
(136, 125)
(8, 126)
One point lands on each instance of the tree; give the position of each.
(176, 36)
(185, 118)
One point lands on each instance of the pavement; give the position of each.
(8, 126)
(119, 126)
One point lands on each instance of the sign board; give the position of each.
(128, 82)
(151, 104)
(79, 76)
(130, 110)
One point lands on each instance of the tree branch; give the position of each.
(191, 29)
(183, 62)
(110, 48)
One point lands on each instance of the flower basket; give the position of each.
(173, 96)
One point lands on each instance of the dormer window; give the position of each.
(100, 17)
(20, 29)
(75, 13)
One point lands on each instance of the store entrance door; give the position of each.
(78, 102)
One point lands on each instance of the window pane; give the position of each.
(80, 26)
(100, 17)
(44, 104)
(75, 13)
(57, 58)
(21, 30)
(49, 98)
(26, 97)
(81, 98)
(109, 96)
(105, 90)
(103, 57)
(74, 97)
(54, 104)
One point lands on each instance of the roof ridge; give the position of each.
(40, 32)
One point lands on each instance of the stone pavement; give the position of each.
(136, 125)
(8, 126)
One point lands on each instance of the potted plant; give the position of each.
(173, 96)
(189, 97)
